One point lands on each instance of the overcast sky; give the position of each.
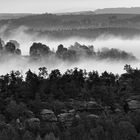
(52, 6)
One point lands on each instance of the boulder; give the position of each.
(65, 117)
(133, 102)
(93, 116)
(28, 114)
(68, 118)
(48, 115)
(32, 124)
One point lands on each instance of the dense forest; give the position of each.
(76, 105)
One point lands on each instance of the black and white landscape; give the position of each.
(70, 70)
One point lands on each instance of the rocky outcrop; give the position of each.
(32, 124)
(68, 118)
(48, 115)
(134, 103)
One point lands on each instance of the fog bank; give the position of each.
(24, 64)
(25, 40)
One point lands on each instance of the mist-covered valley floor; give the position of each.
(107, 64)
(118, 31)
(123, 39)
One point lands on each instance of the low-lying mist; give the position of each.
(26, 40)
(23, 64)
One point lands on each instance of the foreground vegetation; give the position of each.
(76, 105)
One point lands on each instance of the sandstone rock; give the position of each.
(93, 116)
(32, 124)
(48, 115)
(134, 102)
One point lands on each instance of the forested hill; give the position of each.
(121, 10)
(52, 21)
(4, 16)
(76, 105)
(77, 25)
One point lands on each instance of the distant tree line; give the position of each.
(72, 53)
(11, 47)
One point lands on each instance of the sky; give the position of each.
(58, 6)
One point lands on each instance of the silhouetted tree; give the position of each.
(39, 49)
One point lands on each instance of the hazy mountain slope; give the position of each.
(60, 22)
(125, 33)
(77, 13)
(133, 10)
(4, 16)
(64, 26)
